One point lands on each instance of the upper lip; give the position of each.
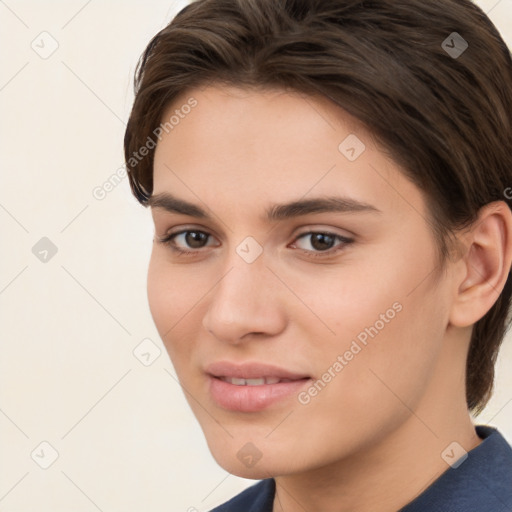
(253, 370)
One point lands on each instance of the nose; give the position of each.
(246, 301)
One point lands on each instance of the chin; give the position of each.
(259, 471)
(246, 459)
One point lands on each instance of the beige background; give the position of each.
(125, 437)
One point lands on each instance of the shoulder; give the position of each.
(257, 498)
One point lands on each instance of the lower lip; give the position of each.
(252, 398)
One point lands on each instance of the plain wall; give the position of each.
(125, 437)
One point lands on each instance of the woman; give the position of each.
(333, 243)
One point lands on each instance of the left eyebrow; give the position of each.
(318, 205)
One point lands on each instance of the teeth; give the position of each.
(253, 382)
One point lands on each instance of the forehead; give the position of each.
(261, 146)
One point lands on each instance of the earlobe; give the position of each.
(486, 264)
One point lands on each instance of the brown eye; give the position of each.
(195, 239)
(189, 240)
(318, 242)
(322, 241)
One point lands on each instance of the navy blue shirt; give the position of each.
(482, 483)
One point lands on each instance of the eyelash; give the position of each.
(344, 241)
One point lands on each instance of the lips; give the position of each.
(253, 382)
(252, 387)
(252, 371)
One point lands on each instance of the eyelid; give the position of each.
(323, 228)
(182, 228)
(322, 232)
(326, 230)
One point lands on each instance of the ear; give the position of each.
(485, 264)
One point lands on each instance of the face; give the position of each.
(292, 279)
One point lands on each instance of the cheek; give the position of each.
(343, 302)
(173, 300)
(377, 383)
(389, 322)
(160, 294)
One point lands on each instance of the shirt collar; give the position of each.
(483, 481)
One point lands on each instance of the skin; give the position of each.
(372, 439)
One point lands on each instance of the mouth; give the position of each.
(252, 387)
(261, 381)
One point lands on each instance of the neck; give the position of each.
(383, 479)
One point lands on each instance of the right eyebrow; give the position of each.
(172, 204)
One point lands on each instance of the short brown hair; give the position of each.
(399, 66)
